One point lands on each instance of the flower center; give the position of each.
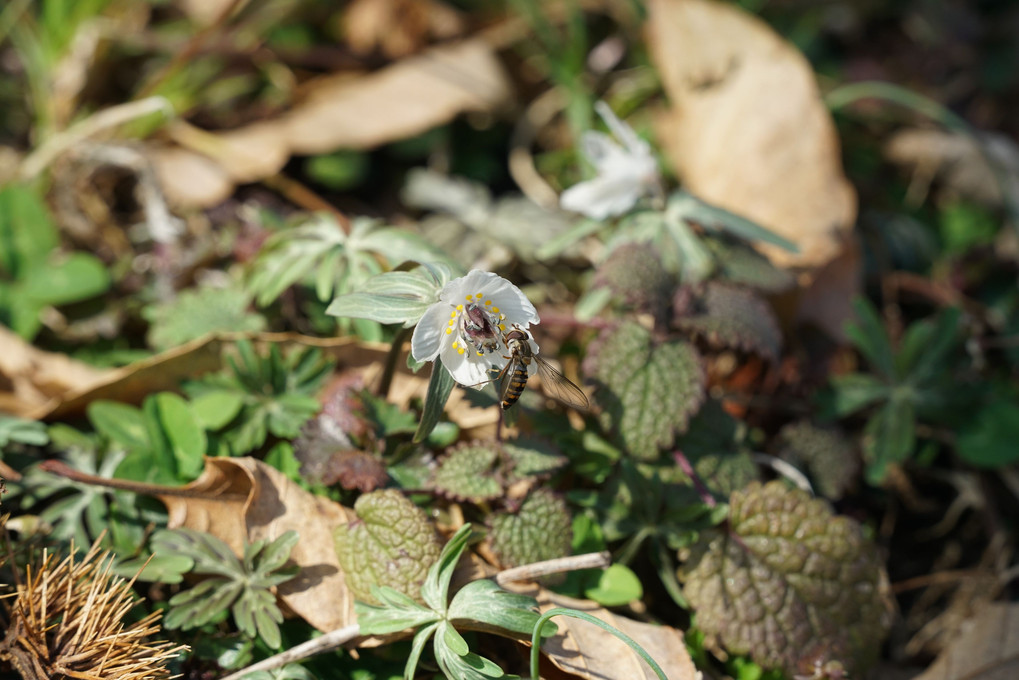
(478, 325)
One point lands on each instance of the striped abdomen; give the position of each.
(515, 386)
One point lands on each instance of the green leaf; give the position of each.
(483, 605)
(691, 208)
(889, 437)
(392, 297)
(216, 408)
(397, 612)
(989, 440)
(648, 391)
(120, 423)
(827, 453)
(199, 311)
(185, 435)
(468, 473)
(740, 264)
(788, 578)
(20, 430)
(869, 336)
(440, 386)
(27, 232)
(617, 586)
(77, 276)
(856, 391)
(391, 544)
(541, 530)
(737, 318)
(579, 230)
(435, 590)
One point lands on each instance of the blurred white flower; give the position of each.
(624, 173)
(465, 327)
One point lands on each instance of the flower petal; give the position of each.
(468, 369)
(603, 196)
(623, 132)
(603, 152)
(504, 296)
(430, 332)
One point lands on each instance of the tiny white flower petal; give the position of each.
(623, 132)
(430, 332)
(468, 369)
(601, 197)
(503, 295)
(602, 151)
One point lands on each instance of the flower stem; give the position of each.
(395, 350)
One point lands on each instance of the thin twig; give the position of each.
(530, 572)
(319, 645)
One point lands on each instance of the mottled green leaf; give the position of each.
(788, 581)
(647, 390)
(739, 318)
(541, 530)
(468, 473)
(830, 458)
(391, 544)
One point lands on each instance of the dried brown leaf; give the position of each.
(337, 112)
(398, 27)
(32, 380)
(747, 129)
(986, 649)
(585, 650)
(241, 500)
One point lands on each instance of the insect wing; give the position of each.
(559, 387)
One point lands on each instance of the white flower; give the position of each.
(624, 173)
(466, 326)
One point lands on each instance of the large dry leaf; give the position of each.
(240, 500)
(747, 129)
(986, 649)
(31, 379)
(337, 112)
(585, 650)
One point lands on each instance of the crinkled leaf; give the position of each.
(531, 459)
(648, 390)
(468, 473)
(541, 530)
(742, 265)
(787, 579)
(390, 544)
(634, 274)
(727, 316)
(830, 458)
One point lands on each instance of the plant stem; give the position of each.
(395, 350)
(702, 490)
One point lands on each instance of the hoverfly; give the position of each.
(513, 377)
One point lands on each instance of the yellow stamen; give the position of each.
(488, 302)
(452, 321)
(495, 309)
(481, 354)
(448, 331)
(459, 308)
(452, 315)
(460, 350)
(478, 296)
(502, 327)
(469, 298)
(454, 344)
